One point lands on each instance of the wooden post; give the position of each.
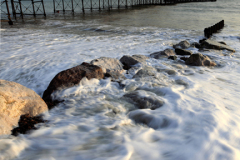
(9, 15)
(20, 4)
(13, 9)
(72, 7)
(99, 5)
(91, 5)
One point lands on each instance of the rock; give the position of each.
(210, 44)
(166, 52)
(172, 57)
(145, 72)
(183, 45)
(26, 123)
(223, 43)
(196, 45)
(199, 60)
(129, 61)
(142, 117)
(108, 64)
(202, 40)
(17, 100)
(184, 58)
(116, 76)
(182, 52)
(143, 99)
(69, 78)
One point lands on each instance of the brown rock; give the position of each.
(71, 77)
(166, 52)
(199, 60)
(26, 123)
(183, 45)
(183, 51)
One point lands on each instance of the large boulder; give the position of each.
(183, 45)
(199, 60)
(165, 53)
(183, 51)
(69, 78)
(17, 100)
(108, 64)
(129, 61)
(210, 44)
(143, 99)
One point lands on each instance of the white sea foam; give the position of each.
(199, 119)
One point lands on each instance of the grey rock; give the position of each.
(129, 61)
(183, 45)
(145, 72)
(166, 52)
(116, 76)
(199, 60)
(210, 44)
(143, 99)
(183, 52)
(108, 64)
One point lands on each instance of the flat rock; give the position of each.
(108, 64)
(129, 61)
(17, 100)
(183, 51)
(143, 99)
(71, 77)
(166, 52)
(183, 45)
(199, 60)
(210, 44)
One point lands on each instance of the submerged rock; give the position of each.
(210, 44)
(145, 72)
(143, 99)
(139, 116)
(69, 78)
(182, 45)
(129, 61)
(172, 57)
(27, 123)
(166, 52)
(108, 64)
(17, 100)
(116, 76)
(196, 45)
(183, 52)
(199, 60)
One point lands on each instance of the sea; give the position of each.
(200, 118)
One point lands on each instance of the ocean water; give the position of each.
(200, 118)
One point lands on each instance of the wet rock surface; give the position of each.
(27, 123)
(199, 60)
(129, 61)
(166, 52)
(172, 57)
(108, 64)
(115, 76)
(183, 51)
(145, 72)
(143, 99)
(71, 77)
(210, 44)
(182, 45)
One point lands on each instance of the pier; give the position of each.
(20, 8)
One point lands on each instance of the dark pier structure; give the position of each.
(13, 9)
